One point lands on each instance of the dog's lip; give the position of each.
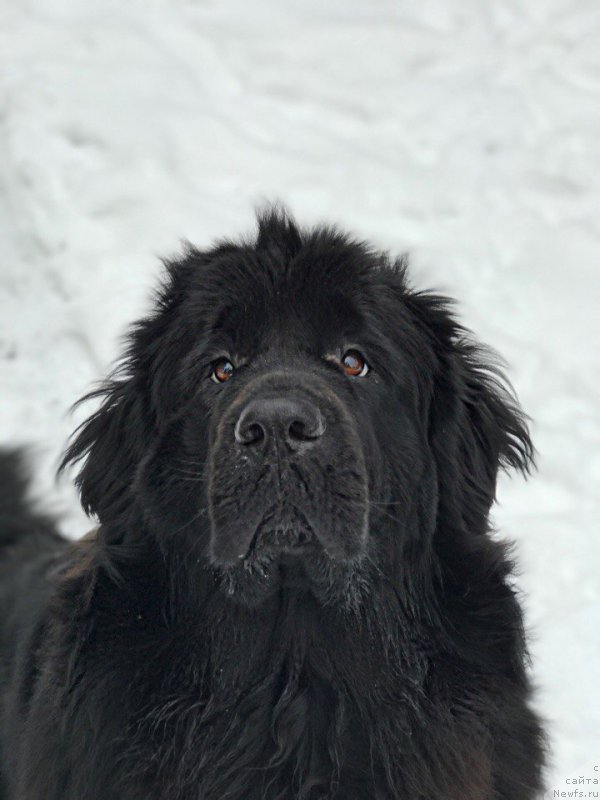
(281, 530)
(271, 536)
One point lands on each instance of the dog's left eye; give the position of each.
(355, 364)
(222, 370)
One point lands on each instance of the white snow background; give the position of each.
(464, 131)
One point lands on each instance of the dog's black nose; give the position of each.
(297, 422)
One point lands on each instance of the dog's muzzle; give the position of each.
(286, 476)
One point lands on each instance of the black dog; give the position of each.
(292, 591)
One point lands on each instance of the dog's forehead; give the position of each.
(260, 297)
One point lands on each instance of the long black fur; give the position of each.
(138, 664)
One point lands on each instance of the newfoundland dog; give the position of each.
(292, 592)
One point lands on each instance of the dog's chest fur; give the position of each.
(243, 720)
(280, 710)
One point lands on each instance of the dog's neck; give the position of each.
(300, 676)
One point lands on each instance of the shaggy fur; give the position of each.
(307, 607)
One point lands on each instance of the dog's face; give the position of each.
(295, 415)
(302, 408)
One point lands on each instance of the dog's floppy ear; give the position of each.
(476, 426)
(112, 442)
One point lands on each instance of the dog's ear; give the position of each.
(475, 426)
(112, 442)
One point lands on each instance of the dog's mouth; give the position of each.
(289, 553)
(286, 548)
(280, 534)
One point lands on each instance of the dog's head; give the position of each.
(292, 412)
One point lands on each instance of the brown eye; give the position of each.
(354, 364)
(222, 370)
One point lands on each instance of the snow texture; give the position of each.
(464, 131)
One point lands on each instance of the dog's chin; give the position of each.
(276, 567)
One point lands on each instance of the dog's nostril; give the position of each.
(254, 433)
(247, 432)
(302, 430)
(297, 430)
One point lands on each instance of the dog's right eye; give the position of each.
(222, 370)
(354, 364)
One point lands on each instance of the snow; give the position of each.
(464, 131)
